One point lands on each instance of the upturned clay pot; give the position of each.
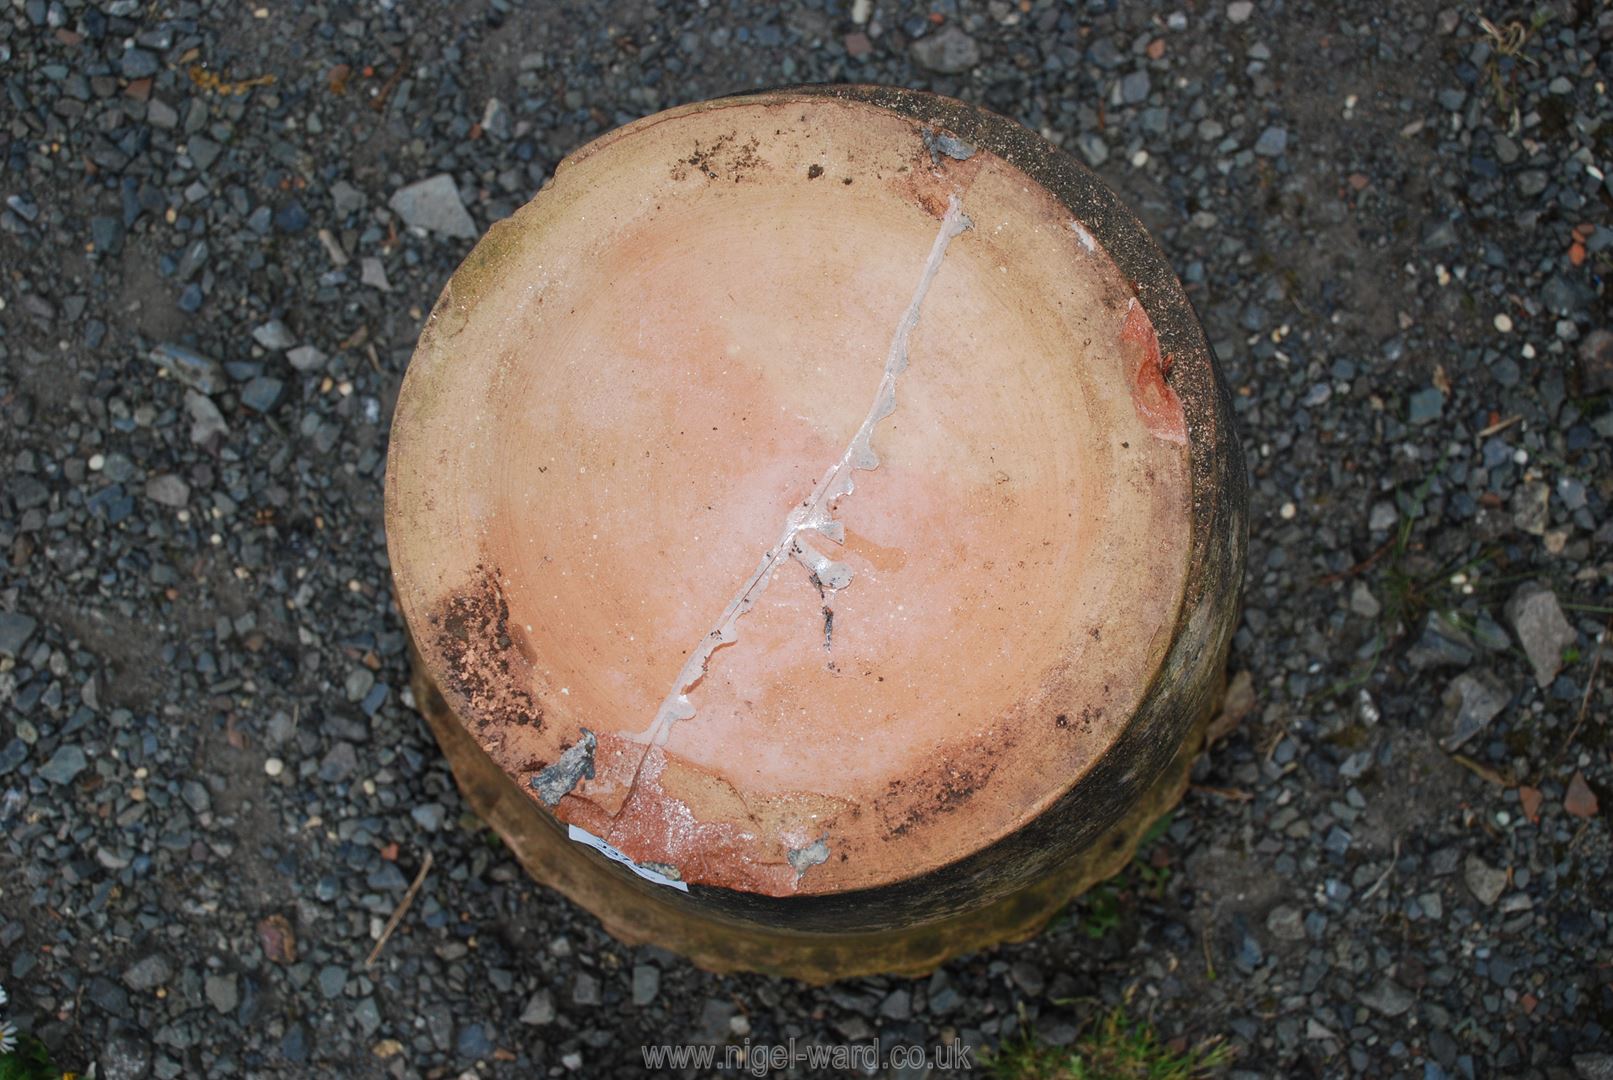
(819, 522)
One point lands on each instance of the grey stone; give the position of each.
(203, 152)
(332, 980)
(346, 198)
(108, 996)
(168, 490)
(160, 114)
(262, 394)
(373, 274)
(274, 335)
(1531, 508)
(195, 795)
(206, 420)
(1029, 978)
(1388, 997)
(440, 1024)
(1441, 644)
(473, 1043)
(338, 763)
(496, 119)
(1239, 11)
(191, 368)
(368, 1015)
(1273, 142)
(28, 492)
(1596, 1066)
(1134, 88)
(125, 1056)
(1362, 602)
(1472, 700)
(1531, 182)
(1596, 362)
(434, 205)
(359, 681)
(306, 358)
(138, 63)
(1425, 406)
(147, 973)
(585, 989)
(1484, 881)
(539, 1009)
(646, 983)
(64, 765)
(1285, 923)
(222, 993)
(948, 51)
(106, 233)
(13, 754)
(1092, 147)
(1544, 632)
(428, 816)
(15, 630)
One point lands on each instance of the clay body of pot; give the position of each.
(820, 527)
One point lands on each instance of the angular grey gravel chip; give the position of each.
(306, 358)
(15, 630)
(168, 490)
(1484, 881)
(274, 335)
(1473, 699)
(948, 51)
(189, 367)
(1388, 998)
(1273, 142)
(64, 765)
(539, 1009)
(205, 419)
(1544, 632)
(434, 205)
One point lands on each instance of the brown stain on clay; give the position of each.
(481, 661)
(1158, 407)
(726, 158)
(916, 801)
(878, 556)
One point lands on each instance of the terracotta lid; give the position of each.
(791, 495)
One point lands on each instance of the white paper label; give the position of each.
(583, 836)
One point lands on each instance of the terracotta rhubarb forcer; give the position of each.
(825, 498)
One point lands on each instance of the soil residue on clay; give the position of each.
(481, 661)
(723, 159)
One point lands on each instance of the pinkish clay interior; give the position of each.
(631, 385)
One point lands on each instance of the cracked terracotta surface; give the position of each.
(630, 385)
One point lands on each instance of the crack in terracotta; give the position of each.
(815, 512)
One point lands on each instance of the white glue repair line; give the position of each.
(583, 836)
(815, 513)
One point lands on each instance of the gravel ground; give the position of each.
(213, 789)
